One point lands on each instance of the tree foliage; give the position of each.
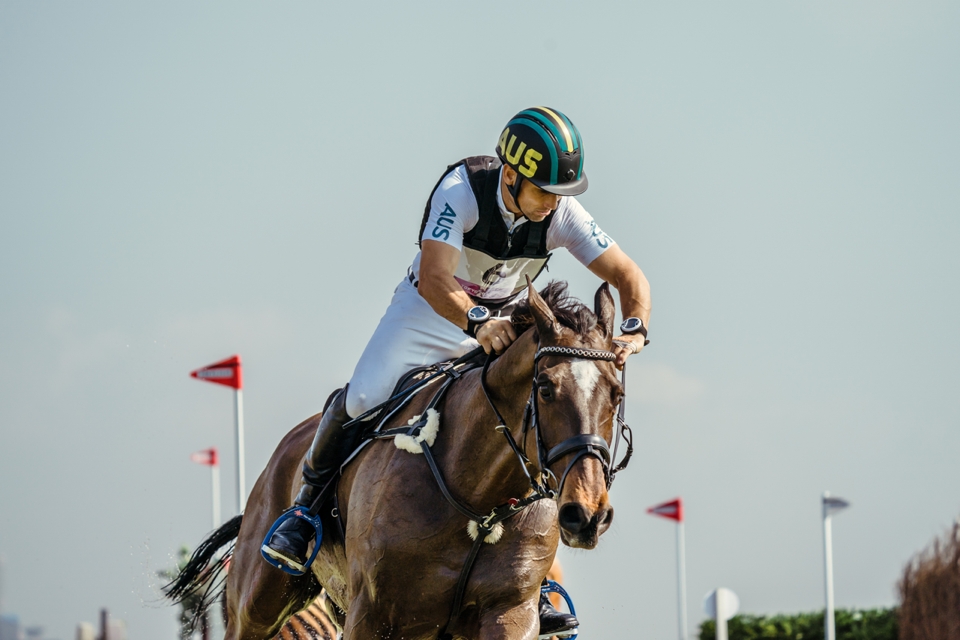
(930, 591)
(192, 603)
(851, 624)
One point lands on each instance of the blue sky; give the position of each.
(183, 182)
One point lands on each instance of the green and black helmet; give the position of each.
(544, 147)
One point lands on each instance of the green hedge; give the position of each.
(870, 624)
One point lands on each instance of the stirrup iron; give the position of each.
(294, 512)
(552, 586)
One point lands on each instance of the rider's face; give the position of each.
(535, 203)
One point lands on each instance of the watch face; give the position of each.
(631, 325)
(478, 314)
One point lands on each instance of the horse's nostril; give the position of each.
(605, 517)
(573, 517)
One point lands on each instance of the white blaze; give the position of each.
(586, 374)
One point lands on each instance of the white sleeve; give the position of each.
(453, 210)
(575, 230)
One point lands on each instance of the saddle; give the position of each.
(424, 371)
(453, 368)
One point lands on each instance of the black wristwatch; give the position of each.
(630, 326)
(476, 317)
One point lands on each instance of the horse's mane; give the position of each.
(569, 311)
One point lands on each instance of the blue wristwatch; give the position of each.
(476, 316)
(633, 325)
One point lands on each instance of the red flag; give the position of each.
(209, 457)
(226, 372)
(672, 510)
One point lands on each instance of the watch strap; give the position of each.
(642, 329)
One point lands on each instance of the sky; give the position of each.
(180, 182)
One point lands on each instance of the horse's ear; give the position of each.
(605, 309)
(542, 315)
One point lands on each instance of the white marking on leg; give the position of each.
(586, 374)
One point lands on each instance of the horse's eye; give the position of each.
(616, 394)
(545, 391)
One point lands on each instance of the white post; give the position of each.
(681, 583)
(721, 614)
(215, 482)
(214, 630)
(241, 487)
(830, 632)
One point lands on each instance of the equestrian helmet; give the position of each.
(544, 147)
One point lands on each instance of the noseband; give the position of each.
(583, 445)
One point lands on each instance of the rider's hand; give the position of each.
(496, 334)
(627, 345)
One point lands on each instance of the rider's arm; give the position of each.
(576, 230)
(438, 263)
(616, 267)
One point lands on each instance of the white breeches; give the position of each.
(409, 335)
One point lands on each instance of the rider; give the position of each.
(488, 223)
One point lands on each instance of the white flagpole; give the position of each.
(213, 628)
(830, 632)
(241, 488)
(215, 482)
(681, 583)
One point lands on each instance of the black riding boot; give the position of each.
(331, 446)
(555, 623)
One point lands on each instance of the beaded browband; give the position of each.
(574, 352)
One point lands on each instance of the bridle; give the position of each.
(583, 445)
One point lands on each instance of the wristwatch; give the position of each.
(476, 316)
(633, 325)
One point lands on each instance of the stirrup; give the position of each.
(552, 586)
(294, 512)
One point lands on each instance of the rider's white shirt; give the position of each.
(411, 333)
(572, 227)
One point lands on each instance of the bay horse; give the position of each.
(399, 559)
(316, 622)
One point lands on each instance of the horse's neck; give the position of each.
(496, 474)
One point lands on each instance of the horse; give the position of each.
(401, 556)
(316, 622)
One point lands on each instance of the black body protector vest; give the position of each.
(494, 261)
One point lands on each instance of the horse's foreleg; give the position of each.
(261, 597)
(363, 622)
(516, 623)
(258, 606)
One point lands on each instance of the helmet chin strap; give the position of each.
(515, 192)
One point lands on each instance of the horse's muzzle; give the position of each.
(582, 529)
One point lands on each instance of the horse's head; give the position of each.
(576, 395)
